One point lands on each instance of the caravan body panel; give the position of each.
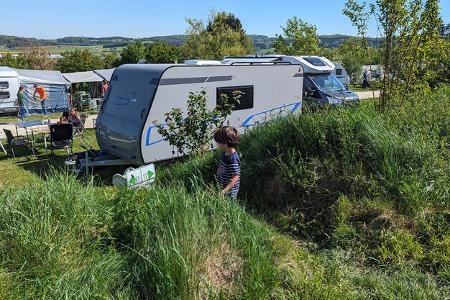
(9, 85)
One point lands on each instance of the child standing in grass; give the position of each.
(229, 170)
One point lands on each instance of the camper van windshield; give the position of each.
(327, 82)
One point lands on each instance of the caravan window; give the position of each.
(315, 61)
(338, 72)
(246, 100)
(4, 84)
(4, 95)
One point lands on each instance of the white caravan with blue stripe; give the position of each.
(141, 94)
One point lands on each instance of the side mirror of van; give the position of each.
(310, 92)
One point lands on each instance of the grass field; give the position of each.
(60, 49)
(358, 88)
(12, 118)
(338, 204)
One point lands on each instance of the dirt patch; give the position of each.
(222, 269)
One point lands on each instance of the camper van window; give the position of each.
(315, 61)
(4, 95)
(327, 82)
(338, 72)
(4, 84)
(246, 100)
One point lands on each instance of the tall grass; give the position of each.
(61, 239)
(365, 197)
(356, 180)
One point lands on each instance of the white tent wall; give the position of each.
(105, 73)
(53, 82)
(90, 77)
(77, 77)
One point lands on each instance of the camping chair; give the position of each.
(79, 129)
(61, 137)
(13, 142)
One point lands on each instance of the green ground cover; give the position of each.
(337, 204)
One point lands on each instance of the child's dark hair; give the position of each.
(227, 135)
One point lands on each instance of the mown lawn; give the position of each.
(12, 118)
(27, 168)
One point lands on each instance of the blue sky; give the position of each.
(140, 18)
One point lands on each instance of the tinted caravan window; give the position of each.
(4, 95)
(338, 72)
(315, 61)
(4, 84)
(246, 100)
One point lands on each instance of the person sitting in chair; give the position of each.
(74, 118)
(64, 119)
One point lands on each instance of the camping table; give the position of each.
(29, 126)
(44, 130)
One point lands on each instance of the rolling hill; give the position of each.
(261, 42)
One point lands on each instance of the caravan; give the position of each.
(341, 74)
(9, 85)
(140, 94)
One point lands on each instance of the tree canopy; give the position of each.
(79, 60)
(298, 38)
(132, 53)
(221, 36)
(161, 52)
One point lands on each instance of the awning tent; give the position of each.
(105, 73)
(92, 78)
(77, 77)
(53, 82)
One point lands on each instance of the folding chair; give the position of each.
(13, 142)
(79, 129)
(61, 137)
(3, 148)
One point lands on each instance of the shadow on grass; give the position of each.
(45, 164)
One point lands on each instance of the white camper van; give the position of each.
(140, 94)
(9, 85)
(320, 85)
(341, 74)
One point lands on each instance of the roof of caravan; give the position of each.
(154, 68)
(8, 72)
(41, 76)
(105, 73)
(312, 64)
(88, 76)
(201, 62)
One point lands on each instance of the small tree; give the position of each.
(132, 53)
(36, 58)
(223, 35)
(161, 52)
(109, 60)
(298, 38)
(79, 60)
(191, 132)
(353, 57)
